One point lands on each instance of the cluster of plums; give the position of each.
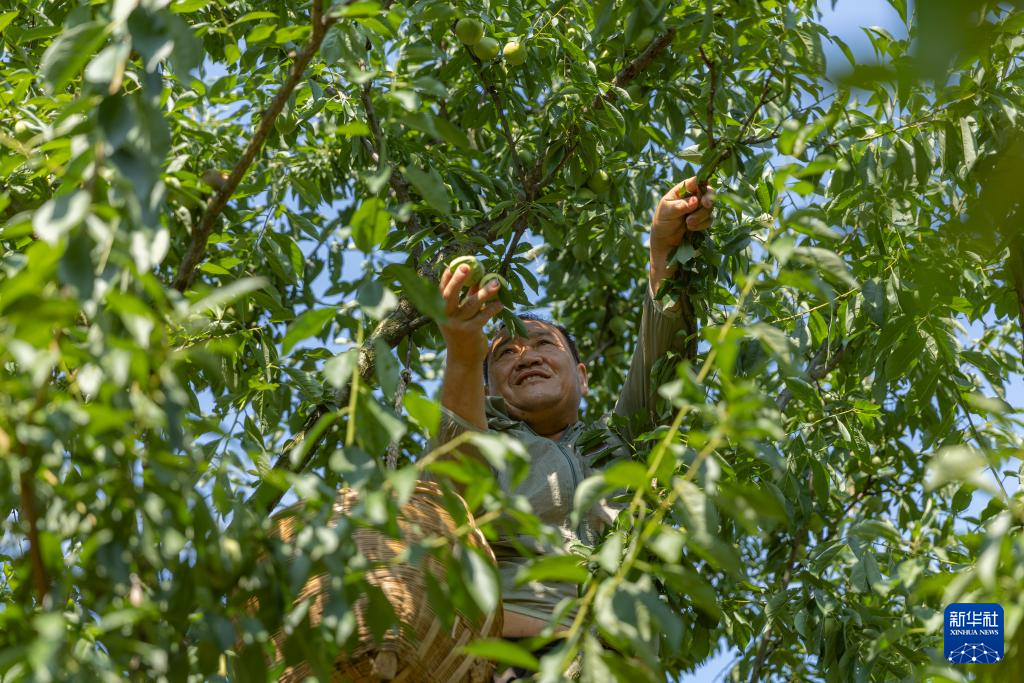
(471, 32)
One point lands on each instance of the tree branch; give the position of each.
(629, 72)
(201, 235)
(728, 150)
(378, 149)
(28, 506)
(40, 578)
(519, 229)
(820, 366)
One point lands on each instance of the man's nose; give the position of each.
(527, 357)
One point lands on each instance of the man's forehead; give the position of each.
(535, 328)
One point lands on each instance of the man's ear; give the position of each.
(581, 374)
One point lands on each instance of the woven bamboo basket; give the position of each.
(421, 651)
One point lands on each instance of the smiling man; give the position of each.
(530, 388)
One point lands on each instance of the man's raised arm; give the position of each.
(462, 389)
(684, 208)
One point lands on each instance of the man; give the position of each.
(533, 390)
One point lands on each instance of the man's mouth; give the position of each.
(532, 373)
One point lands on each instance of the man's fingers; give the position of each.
(691, 186)
(708, 198)
(677, 192)
(490, 291)
(489, 311)
(469, 307)
(699, 216)
(445, 277)
(699, 226)
(451, 290)
(679, 207)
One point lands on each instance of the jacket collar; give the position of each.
(497, 418)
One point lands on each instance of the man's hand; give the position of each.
(684, 208)
(462, 389)
(463, 332)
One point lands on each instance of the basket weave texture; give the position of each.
(421, 651)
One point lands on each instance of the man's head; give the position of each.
(540, 376)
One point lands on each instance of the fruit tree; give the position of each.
(221, 229)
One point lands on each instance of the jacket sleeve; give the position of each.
(658, 335)
(449, 427)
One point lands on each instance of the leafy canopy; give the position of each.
(220, 228)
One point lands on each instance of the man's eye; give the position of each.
(544, 341)
(504, 353)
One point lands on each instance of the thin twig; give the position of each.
(983, 445)
(602, 344)
(550, 175)
(201, 234)
(378, 147)
(506, 129)
(762, 650)
(710, 109)
(757, 107)
(391, 460)
(28, 505)
(728, 150)
(519, 229)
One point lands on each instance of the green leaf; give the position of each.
(376, 299)
(423, 294)
(356, 9)
(68, 54)
(58, 216)
(387, 368)
(431, 187)
(370, 224)
(227, 295)
(338, 370)
(874, 301)
(568, 568)
(384, 427)
(627, 474)
(259, 33)
(775, 342)
(587, 494)
(6, 18)
(957, 463)
(481, 579)
(503, 651)
(827, 262)
(668, 545)
(306, 325)
(423, 411)
(967, 137)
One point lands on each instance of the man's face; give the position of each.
(536, 374)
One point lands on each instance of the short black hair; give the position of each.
(533, 317)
